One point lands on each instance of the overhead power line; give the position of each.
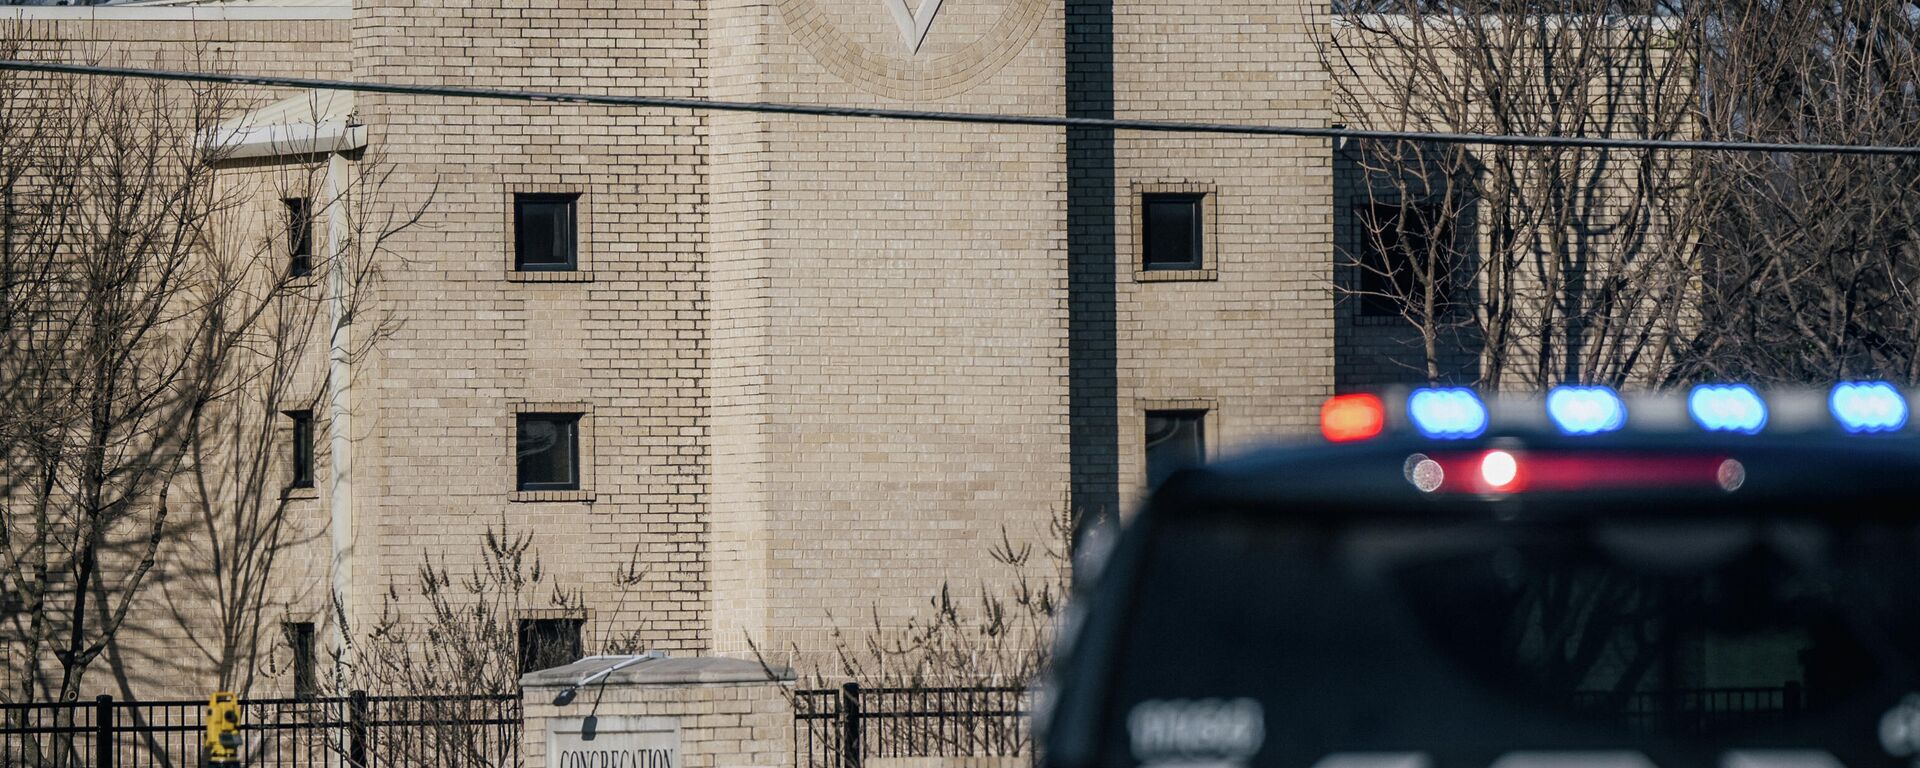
(978, 118)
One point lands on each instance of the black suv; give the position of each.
(1717, 578)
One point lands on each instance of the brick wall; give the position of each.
(823, 363)
(209, 613)
(623, 340)
(1248, 337)
(890, 336)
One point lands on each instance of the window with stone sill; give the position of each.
(1175, 440)
(546, 232)
(300, 437)
(299, 235)
(1173, 228)
(547, 451)
(549, 643)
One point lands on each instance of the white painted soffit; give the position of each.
(310, 123)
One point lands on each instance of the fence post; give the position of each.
(850, 725)
(357, 729)
(103, 751)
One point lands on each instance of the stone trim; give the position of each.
(1209, 231)
(583, 233)
(581, 614)
(585, 459)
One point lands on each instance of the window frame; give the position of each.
(1372, 261)
(1199, 415)
(566, 236)
(300, 636)
(300, 225)
(573, 420)
(301, 459)
(521, 631)
(1198, 233)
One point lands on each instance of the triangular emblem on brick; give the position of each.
(914, 21)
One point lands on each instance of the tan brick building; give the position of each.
(810, 367)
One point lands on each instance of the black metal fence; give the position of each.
(843, 727)
(1695, 710)
(353, 731)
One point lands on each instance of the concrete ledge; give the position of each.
(653, 671)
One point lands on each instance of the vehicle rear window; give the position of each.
(1490, 637)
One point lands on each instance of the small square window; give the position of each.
(306, 682)
(544, 236)
(1172, 231)
(301, 436)
(1175, 440)
(299, 235)
(547, 449)
(549, 643)
(1397, 243)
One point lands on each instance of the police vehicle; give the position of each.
(1718, 577)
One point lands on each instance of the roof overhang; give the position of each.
(311, 123)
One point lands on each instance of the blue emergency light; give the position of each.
(1447, 413)
(1864, 407)
(1586, 410)
(1727, 408)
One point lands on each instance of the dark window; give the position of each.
(1175, 440)
(1172, 231)
(1399, 246)
(547, 447)
(543, 233)
(302, 448)
(299, 235)
(549, 643)
(300, 640)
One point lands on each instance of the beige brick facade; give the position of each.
(821, 363)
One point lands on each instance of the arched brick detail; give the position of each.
(899, 75)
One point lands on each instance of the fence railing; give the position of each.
(843, 727)
(353, 731)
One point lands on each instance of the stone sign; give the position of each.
(614, 741)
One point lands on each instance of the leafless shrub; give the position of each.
(956, 652)
(450, 640)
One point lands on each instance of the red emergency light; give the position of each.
(1346, 418)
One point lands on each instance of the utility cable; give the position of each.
(978, 118)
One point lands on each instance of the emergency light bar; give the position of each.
(1458, 413)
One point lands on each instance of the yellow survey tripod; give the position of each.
(221, 749)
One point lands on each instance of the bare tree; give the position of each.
(150, 325)
(240, 497)
(1813, 260)
(1618, 266)
(1521, 265)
